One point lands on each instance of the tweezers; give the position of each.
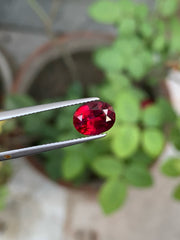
(16, 153)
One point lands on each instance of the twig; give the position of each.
(48, 23)
(42, 15)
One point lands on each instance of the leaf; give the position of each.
(127, 26)
(8, 126)
(142, 158)
(176, 193)
(75, 90)
(126, 8)
(167, 8)
(5, 172)
(171, 167)
(73, 166)
(104, 11)
(3, 196)
(118, 79)
(109, 59)
(127, 107)
(146, 29)
(153, 142)
(141, 11)
(107, 166)
(53, 164)
(175, 137)
(117, 83)
(152, 116)
(159, 43)
(33, 125)
(138, 175)
(18, 101)
(175, 35)
(136, 68)
(168, 114)
(125, 140)
(112, 195)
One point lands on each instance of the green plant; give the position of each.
(134, 66)
(5, 174)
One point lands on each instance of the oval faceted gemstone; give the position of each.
(94, 118)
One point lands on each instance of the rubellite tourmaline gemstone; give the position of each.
(94, 118)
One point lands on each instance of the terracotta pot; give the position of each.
(5, 76)
(51, 51)
(73, 43)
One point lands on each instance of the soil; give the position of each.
(58, 74)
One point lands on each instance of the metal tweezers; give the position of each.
(45, 147)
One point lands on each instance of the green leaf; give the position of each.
(107, 166)
(141, 11)
(73, 165)
(176, 193)
(5, 172)
(9, 126)
(175, 38)
(127, 107)
(18, 101)
(33, 125)
(146, 29)
(53, 164)
(109, 59)
(125, 140)
(104, 11)
(142, 158)
(171, 167)
(112, 195)
(159, 43)
(167, 8)
(152, 116)
(136, 68)
(127, 26)
(126, 8)
(75, 90)
(175, 137)
(117, 83)
(168, 114)
(153, 142)
(3, 196)
(138, 175)
(139, 94)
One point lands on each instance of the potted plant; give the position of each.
(134, 66)
(5, 85)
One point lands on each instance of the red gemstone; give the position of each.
(94, 118)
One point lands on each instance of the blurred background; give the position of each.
(47, 53)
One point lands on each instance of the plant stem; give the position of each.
(42, 15)
(48, 23)
(54, 9)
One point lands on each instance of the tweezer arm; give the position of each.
(41, 108)
(45, 147)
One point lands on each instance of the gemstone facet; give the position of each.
(94, 118)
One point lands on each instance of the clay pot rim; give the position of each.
(49, 45)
